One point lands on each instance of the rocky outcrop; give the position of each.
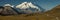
(7, 10)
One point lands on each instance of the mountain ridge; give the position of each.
(29, 6)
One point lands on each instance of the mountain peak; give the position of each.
(8, 5)
(26, 5)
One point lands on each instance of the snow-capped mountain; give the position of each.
(8, 5)
(28, 6)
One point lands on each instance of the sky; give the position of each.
(46, 4)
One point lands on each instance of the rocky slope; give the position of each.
(7, 10)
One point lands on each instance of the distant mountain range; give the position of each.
(28, 8)
(8, 10)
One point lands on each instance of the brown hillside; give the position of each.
(54, 12)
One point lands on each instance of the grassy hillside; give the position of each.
(31, 17)
(24, 17)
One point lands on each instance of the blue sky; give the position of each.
(46, 4)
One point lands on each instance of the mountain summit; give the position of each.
(28, 6)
